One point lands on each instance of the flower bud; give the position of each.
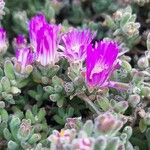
(108, 124)
(24, 59)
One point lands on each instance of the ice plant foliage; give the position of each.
(25, 57)
(100, 63)
(3, 41)
(34, 26)
(75, 44)
(47, 45)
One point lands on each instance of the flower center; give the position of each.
(99, 67)
(76, 47)
(62, 132)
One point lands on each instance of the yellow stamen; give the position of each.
(62, 132)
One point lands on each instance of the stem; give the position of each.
(89, 102)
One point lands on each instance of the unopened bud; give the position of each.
(108, 124)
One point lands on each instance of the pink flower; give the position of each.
(3, 41)
(64, 136)
(24, 57)
(47, 45)
(75, 44)
(35, 24)
(100, 63)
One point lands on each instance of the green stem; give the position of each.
(89, 102)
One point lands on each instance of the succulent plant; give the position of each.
(61, 61)
(102, 134)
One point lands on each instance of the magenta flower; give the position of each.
(47, 45)
(34, 26)
(24, 57)
(75, 44)
(20, 41)
(100, 63)
(3, 41)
